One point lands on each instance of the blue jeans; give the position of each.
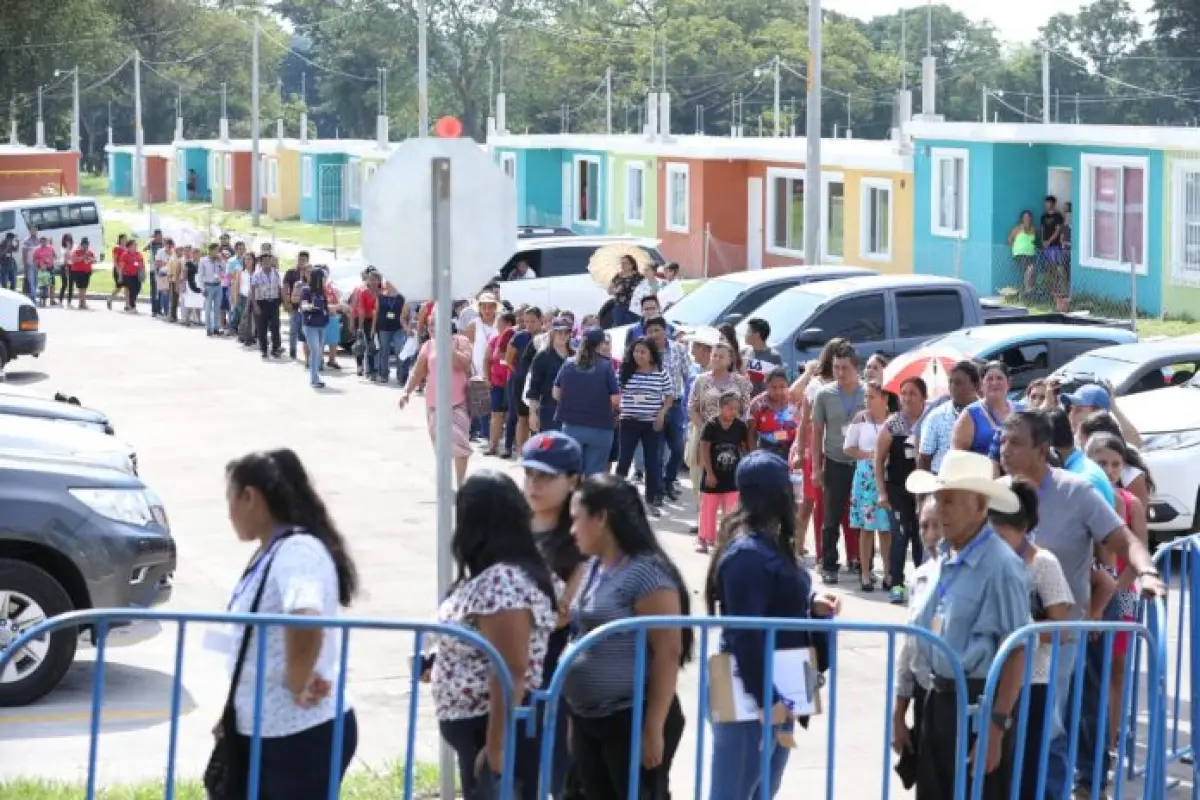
(212, 306)
(595, 444)
(154, 298)
(8, 275)
(634, 432)
(674, 436)
(31, 281)
(389, 342)
(316, 347)
(736, 765)
(295, 323)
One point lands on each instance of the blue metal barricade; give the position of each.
(639, 627)
(100, 621)
(1064, 697)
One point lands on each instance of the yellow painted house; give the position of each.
(282, 183)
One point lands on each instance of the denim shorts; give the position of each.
(499, 399)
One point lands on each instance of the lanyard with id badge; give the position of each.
(946, 579)
(226, 639)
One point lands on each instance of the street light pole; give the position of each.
(812, 138)
(423, 131)
(776, 109)
(255, 159)
(138, 165)
(75, 123)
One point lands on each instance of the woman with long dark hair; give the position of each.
(587, 394)
(314, 313)
(646, 396)
(1135, 475)
(301, 566)
(627, 575)
(755, 573)
(504, 592)
(895, 459)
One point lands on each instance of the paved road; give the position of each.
(190, 404)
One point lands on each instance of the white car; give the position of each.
(1169, 422)
(59, 438)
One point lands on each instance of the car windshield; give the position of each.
(1100, 368)
(786, 313)
(703, 305)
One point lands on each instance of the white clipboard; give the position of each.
(796, 679)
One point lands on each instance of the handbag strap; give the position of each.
(269, 557)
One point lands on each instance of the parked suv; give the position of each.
(73, 537)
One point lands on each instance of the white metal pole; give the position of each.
(984, 98)
(138, 166)
(423, 71)
(75, 147)
(440, 251)
(255, 159)
(608, 99)
(776, 109)
(903, 50)
(812, 138)
(1046, 85)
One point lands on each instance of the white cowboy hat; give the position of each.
(965, 471)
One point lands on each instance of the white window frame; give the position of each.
(685, 171)
(273, 177)
(214, 169)
(828, 178)
(353, 186)
(306, 176)
(576, 191)
(228, 169)
(508, 163)
(936, 156)
(864, 219)
(1084, 218)
(773, 175)
(630, 168)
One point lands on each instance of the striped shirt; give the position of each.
(600, 683)
(267, 284)
(210, 271)
(644, 395)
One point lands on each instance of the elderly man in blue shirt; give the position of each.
(980, 596)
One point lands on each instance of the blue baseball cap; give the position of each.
(594, 335)
(762, 471)
(1089, 396)
(553, 453)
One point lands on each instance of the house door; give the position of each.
(1060, 183)
(568, 204)
(754, 223)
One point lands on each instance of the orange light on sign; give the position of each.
(448, 128)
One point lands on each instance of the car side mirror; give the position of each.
(810, 337)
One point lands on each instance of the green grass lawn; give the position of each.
(361, 784)
(1147, 327)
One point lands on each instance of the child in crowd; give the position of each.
(723, 442)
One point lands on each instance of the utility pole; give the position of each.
(849, 119)
(1077, 108)
(792, 117)
(776, 120)
(983, 114)
(14, 139)
(1057, 108)
(1045, 85)
(75, 124)
(812, 165)
(903, 50)
(41, 126)
(446, 761)
(492, 88)
(138, 164)
(110, 138)
(1026, 109)
(255, 158)
(608, 99)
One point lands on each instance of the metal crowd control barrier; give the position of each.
(639, 628)
(1152, 635)
(101, 620)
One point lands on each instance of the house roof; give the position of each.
(148, 150)
(1130, 136)
(871, 154)
(351, 147)
(27, 150)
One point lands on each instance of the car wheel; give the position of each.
(28, 596)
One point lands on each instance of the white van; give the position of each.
(53, 217)
(20, 334)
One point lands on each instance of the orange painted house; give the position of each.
(35, 171)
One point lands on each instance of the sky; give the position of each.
(1016, 20)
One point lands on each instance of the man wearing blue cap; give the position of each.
(1093, 397)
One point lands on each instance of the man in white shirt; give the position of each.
(208, 274)
(522, 272)
(670, 289)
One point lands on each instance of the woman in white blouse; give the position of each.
(300, 567)
(504, 592)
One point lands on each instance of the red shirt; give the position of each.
(118, 251)
(364, 302)
(43, 257)
(132, 264)
(82, 260)
(496, 349)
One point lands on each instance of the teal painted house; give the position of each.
(192, 157)
(558, 186)
(323, 196)
(120, 170)
(1132, 195)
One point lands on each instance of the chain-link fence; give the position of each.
(720, 257)
(1047, 281)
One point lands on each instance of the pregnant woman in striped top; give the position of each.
(646, 396)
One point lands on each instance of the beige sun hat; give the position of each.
(965, 471)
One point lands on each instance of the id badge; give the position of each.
(391, 315)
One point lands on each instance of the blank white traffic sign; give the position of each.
(398, 217)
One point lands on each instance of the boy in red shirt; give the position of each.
(43, 259)
(82, 259)
(118, 283)
(133, 268)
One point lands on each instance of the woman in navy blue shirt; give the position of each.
(755, 573)
(314, 313)
(587, 393)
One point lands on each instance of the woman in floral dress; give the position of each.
(866, 513)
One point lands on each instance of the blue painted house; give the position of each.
(120, 170)
(1132, 195)
(560, 186)
(192, 156)
(332, 173)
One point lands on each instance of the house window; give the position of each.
(951, 169)
(678, 197)
(508, 162)
(635, 193)
(785, 212)
(587, 190)
(1113, 214)
(229, 169)
(834, 213)
(306, 176)
(876, 224)
(1185, 222)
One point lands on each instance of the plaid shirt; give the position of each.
(267, 284)
(677, 364)
(937, 432)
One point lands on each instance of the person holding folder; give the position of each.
(756, 573)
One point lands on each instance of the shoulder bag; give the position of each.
(227, 775)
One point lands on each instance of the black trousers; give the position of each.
(268, 325)
(133, 286)
(296, 767)
(601, 749)
(468, 737)
(1033, 744)
(937, 753)
(839, 481)
(906, 534)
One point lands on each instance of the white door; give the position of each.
(1060, 182)
(568, 205)
(754, 223)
